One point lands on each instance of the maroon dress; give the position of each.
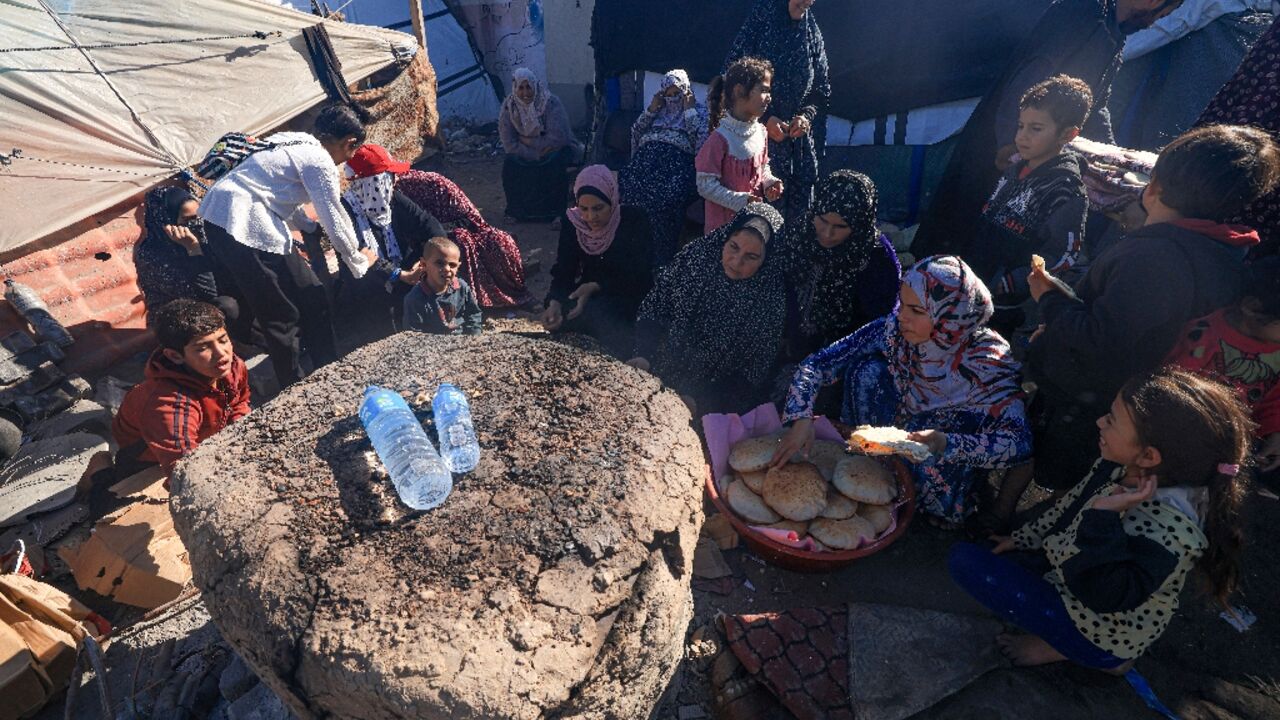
(491, 262)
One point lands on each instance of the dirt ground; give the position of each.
(1202, 668)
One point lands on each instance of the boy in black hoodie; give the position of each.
(1183, 263)
(1039, 204)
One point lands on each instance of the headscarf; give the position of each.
(826, 280)
(718, 328)
(964, 363)
(162, 207)
(671, 114)
(163, 266)
(596, 180)
(371, 197)
(526, 116)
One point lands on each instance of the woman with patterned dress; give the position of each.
(659, 178)
(712, 326)
(932, 368)
(491, 262)
(842, 273)
(785, 33)
(1252, 97)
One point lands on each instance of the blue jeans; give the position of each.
(1027, 600)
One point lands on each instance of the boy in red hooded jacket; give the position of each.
(195, 386)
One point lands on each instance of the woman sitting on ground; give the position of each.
(535, 133)
(712, 326)
(660, 178)
(1096, 578)
(171, 260)
(602, 266)
(935, 369)
(842, 273)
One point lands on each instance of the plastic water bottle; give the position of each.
(30, 306)
(420, 477)
(458, 445)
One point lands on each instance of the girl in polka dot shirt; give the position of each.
(1095, 578)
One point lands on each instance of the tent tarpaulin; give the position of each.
(90, 138)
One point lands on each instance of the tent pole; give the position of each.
(419, 30)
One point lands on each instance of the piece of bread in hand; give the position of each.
(888, 441)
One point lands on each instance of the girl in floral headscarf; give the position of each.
(660, 178)
(535, 133)
(935, 369)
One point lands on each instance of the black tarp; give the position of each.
(886, 56)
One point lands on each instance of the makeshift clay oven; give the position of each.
(554, 581)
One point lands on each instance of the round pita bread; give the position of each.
(818, 546)
(753, 480)
(842, 534)
(749, 505)
(753, 454)
(796, 491)
(880, 516)
(826, 454)
(865, 480)
(838, 506)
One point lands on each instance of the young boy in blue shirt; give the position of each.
(441, 302)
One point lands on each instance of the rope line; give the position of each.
(155, 141)
(7, 160)
(260, 35)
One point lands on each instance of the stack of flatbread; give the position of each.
(839, 500)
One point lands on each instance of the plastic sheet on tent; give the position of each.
(91, 137)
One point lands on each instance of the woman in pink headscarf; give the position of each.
(602, 267)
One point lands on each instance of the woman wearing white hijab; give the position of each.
(660, 177)
(535, 133)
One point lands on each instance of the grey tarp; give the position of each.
(90, 138)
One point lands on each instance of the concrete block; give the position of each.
(259, 704)
(237, 679)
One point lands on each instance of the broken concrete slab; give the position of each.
(16, 367)
(133, 556)
(16, 343)
(259, 703)
(83, 416)
(44, 475)
(236, 680)
(54, 400)
(348, 605)
(893, 649)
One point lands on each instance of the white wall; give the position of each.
(570, 61)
